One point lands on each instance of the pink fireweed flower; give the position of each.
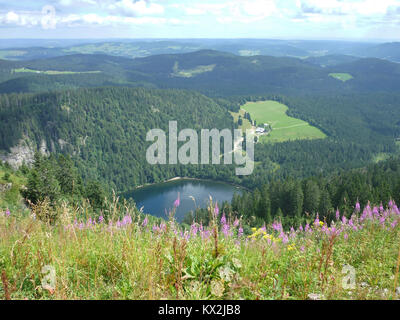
(145, 222)
(277, 226)
(394, 224)
(292, 233)
(223, 219)
(358, 207)
(235, 223)
(8, 213)
(346, 236)
(375, 212)
(240, 232)
(391, 204)
(101, 219)
(216, 209)
(177, 201)
(381, 208)
(194, 229)
(127, 219)
(344, 220)
(225, 230)
(301, 229)
(316, 221)
(337, 215)
(333, 231)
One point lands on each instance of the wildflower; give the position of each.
(240, 232)
(216, 209)
(194, 229)
(346, 236)
(337, 214)
(8, 213)
(145, 222)
(358, 207)
(277, 226)
(223, 219)
(225, 230)
(236, 223)
(291, 247)
(316, 221)
(101, 219)
(321, 223)
(177, 201)
(302, 249)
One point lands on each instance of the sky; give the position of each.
(263, 19)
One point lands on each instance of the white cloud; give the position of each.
(242, 11)
(349, 7)
(137, 8)
(12, 17)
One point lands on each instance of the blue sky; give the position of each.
(287, 19)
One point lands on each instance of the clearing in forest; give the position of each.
(284, 128)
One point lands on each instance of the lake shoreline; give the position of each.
(188, 178)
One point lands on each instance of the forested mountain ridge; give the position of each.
(105, 128)
(211, 72)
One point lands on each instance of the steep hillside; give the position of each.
(105, 129)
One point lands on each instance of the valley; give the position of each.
(75, 176)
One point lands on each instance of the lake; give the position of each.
(156, 199)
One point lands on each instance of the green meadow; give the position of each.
(284, 128)
(50, 72)
(341, 76)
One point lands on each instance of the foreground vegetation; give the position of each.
(126, 257)
(107, 249)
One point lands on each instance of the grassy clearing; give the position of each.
(341, 76)
(245, 124)
(284, 128)
(379, 157)
(10, 198)
(189, 73)
(50, 72)
(132, 259)
(11, 54)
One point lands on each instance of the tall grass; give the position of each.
(128, 257)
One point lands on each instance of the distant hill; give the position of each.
(387, 51)
(211, 72)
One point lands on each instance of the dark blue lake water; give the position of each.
(158, 199)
